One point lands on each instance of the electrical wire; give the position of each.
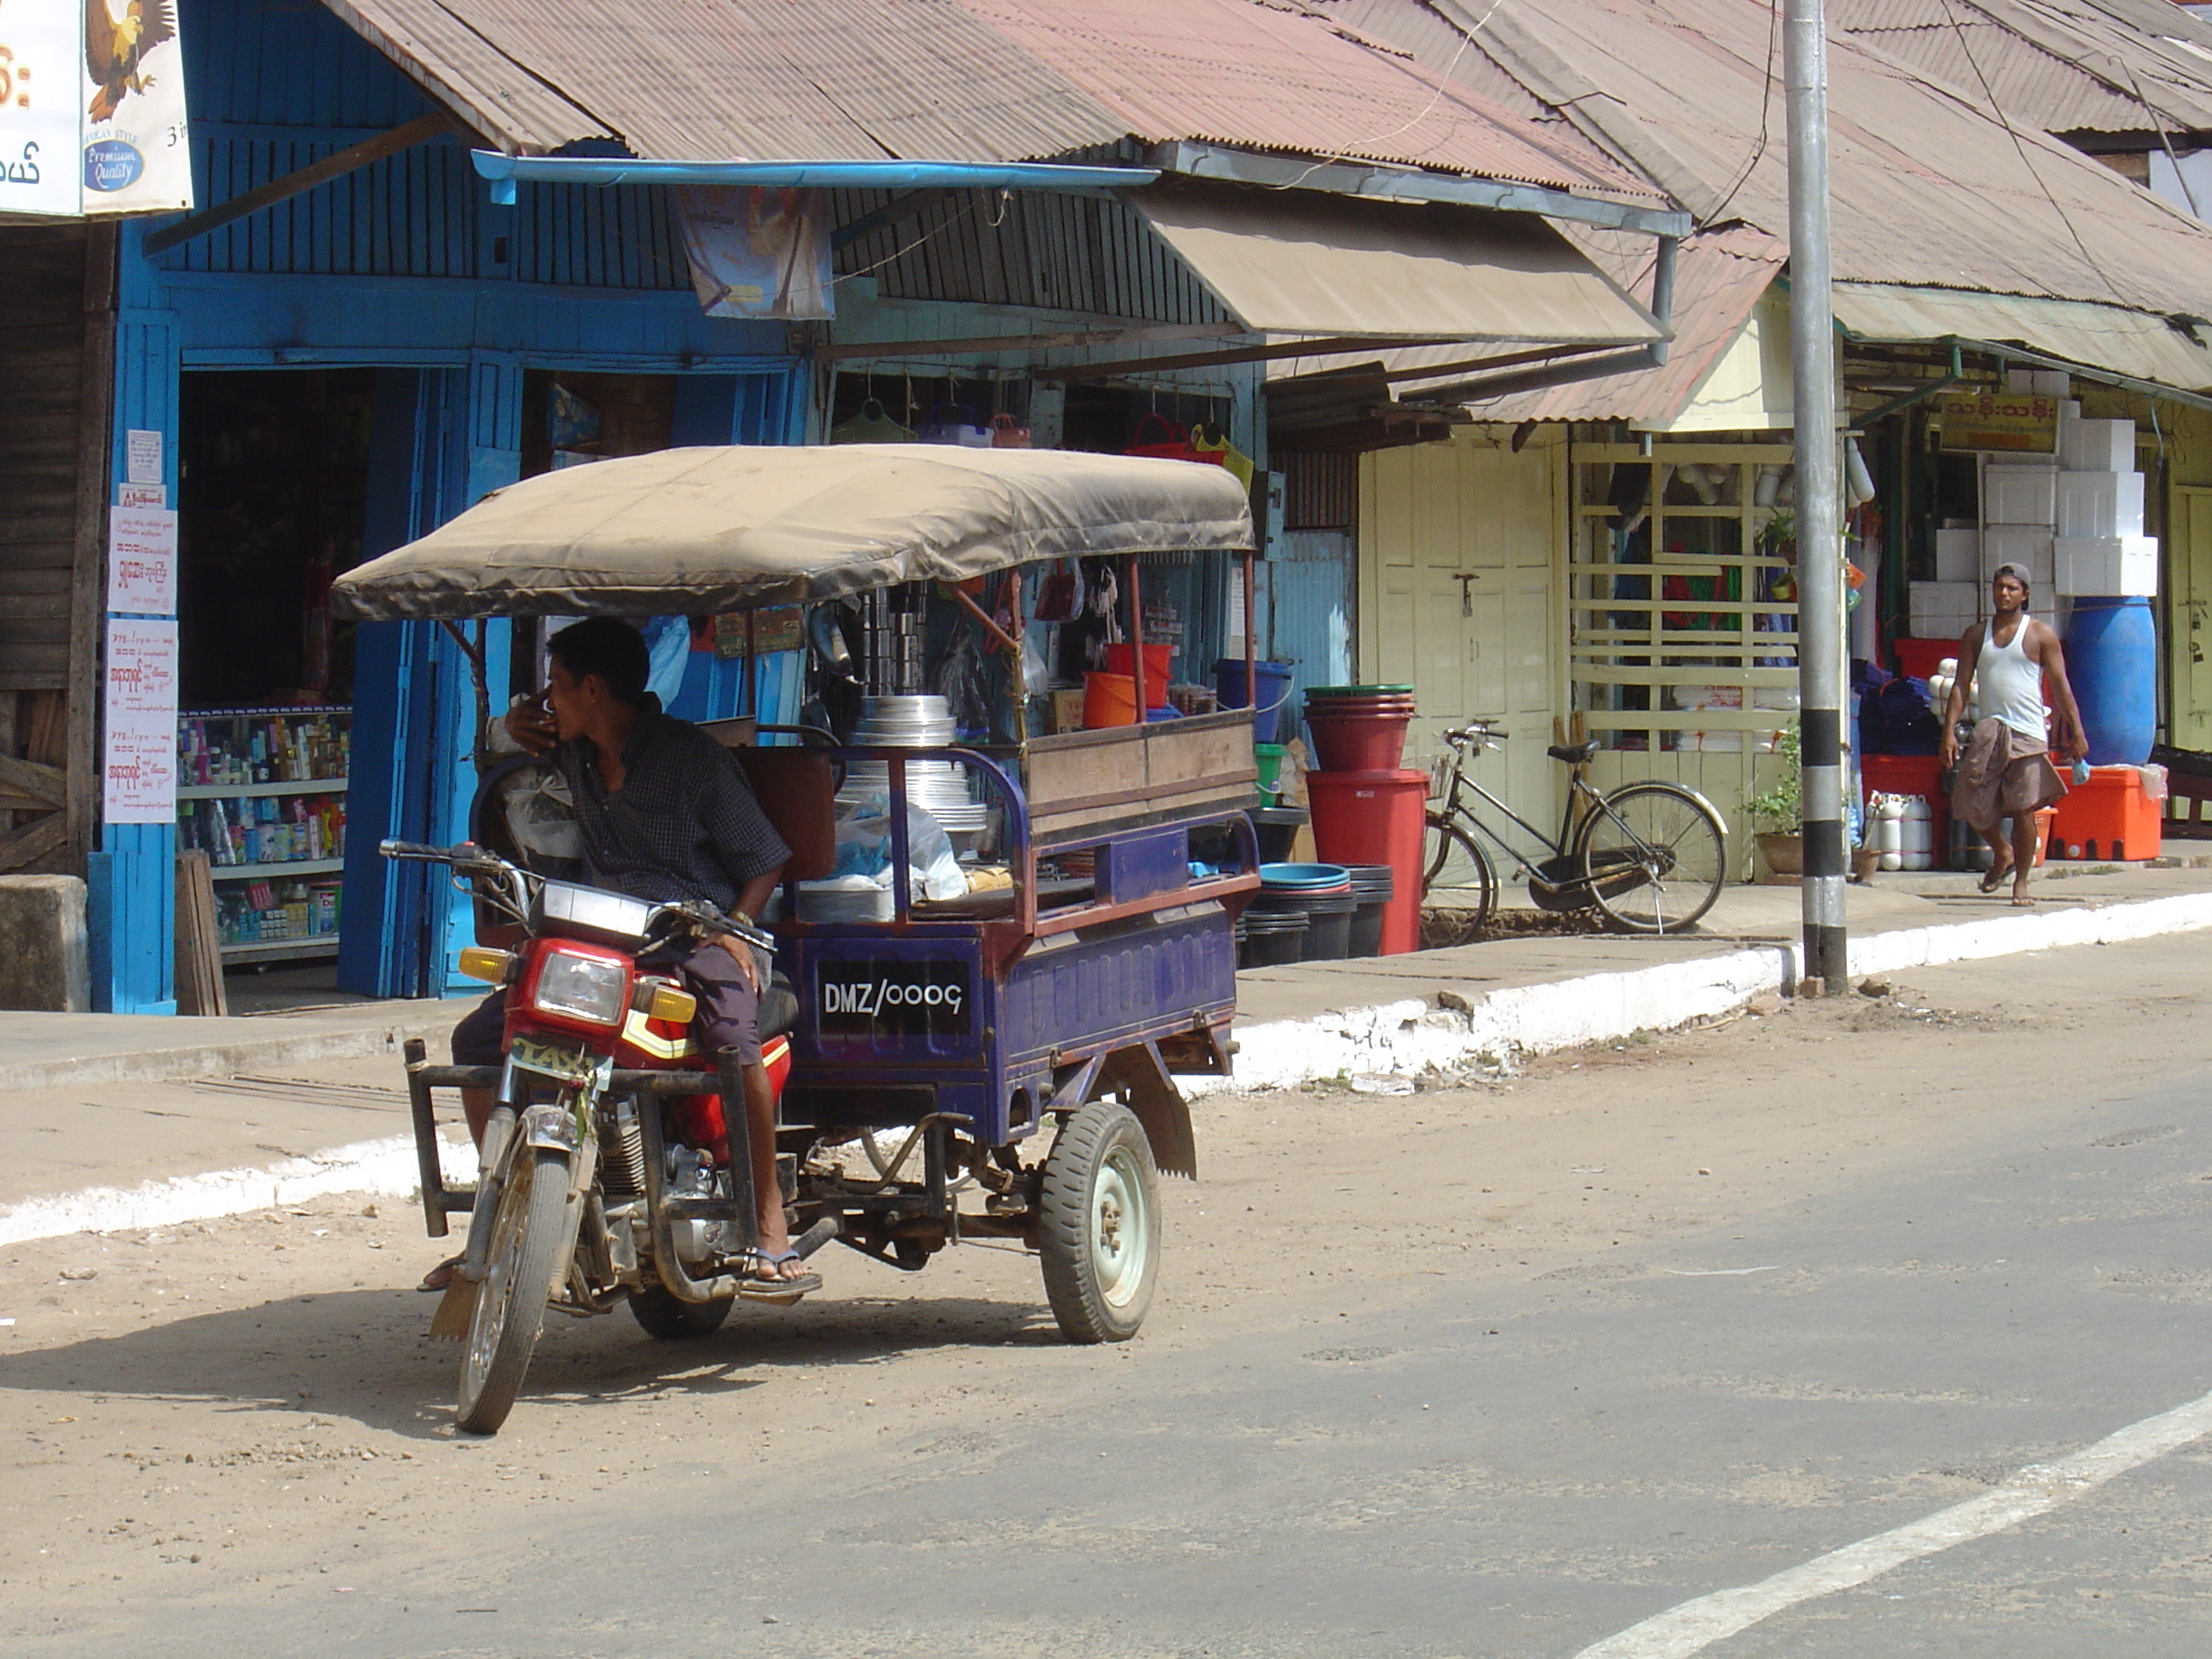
(1766, 114)
(1362, 147)
(1989, 94)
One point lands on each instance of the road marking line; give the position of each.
(1695, 1626)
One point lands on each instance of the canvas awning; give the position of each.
(2132, 343)
(701, 530)
(1297, 262)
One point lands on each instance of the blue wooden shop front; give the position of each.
(405, 269)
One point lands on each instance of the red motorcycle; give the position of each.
(614, 1167)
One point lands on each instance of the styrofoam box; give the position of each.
(2020, 380)
(2096, 445)
(2100, 503)
(2014, 493)
(1944, 610)
(1958, 555)
(2051, 383)
(2021, 544)
(2103, 566)
(2070, 409)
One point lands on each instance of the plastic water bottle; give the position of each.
(1889, 820)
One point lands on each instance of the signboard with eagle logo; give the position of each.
(92, 108)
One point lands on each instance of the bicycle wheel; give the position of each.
(1653, 855)
(1458, 885)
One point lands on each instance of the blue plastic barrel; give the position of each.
(1274, 679)
(2112, 657)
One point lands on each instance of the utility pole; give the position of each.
(1820, 526)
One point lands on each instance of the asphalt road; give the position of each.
(1510, 1370)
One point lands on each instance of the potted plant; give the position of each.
(1779, 812)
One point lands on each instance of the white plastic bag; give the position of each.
(864, 848)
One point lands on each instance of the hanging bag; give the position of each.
(1163, 440)
(1059, 595)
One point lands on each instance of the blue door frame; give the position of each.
(448, 429)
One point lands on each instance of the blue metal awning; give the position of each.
(506, 171)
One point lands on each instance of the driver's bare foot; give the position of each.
(778, 1263)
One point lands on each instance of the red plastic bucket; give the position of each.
(1377, 816)
(1109, 700)
(1122, 660)
(1358, 743)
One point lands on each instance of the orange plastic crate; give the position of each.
(2107, 818)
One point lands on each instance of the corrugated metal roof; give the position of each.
(956, 80)
(1241, 74)
(1926, 188)
(2063, 65)
(2126, 342)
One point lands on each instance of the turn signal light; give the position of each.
(672, 1005)
(482, 962)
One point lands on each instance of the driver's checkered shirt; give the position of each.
(683, 825)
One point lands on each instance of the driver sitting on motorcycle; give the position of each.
(663, 816)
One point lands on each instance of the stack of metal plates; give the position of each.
(938, 787)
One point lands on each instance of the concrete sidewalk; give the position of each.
(111, 1121)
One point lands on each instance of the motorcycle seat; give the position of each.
(779, 1007)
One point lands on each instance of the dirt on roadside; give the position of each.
(250, 1406)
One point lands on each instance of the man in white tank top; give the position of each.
(2006, 771)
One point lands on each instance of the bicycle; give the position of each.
(1648, 856)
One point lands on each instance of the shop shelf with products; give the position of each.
(263, 793)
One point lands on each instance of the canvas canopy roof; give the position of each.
(708, 530)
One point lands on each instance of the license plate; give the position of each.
(556, 1061)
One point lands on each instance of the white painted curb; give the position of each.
(1407, 1038)
(376, 1167)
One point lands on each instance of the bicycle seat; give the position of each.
(1575, 754)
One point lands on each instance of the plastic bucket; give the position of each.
(1373, 886)
(1274, 679)
(1311, 878)
(1277, 828)
(2112, 657)
(1268, 758)
(1328, 927)
(1376, 818)
(1275, 941)
(1122, 660)
(1109, 699)
(1357, 743)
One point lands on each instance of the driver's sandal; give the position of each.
(764, 1284)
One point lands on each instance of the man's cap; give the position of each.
(2017, 572)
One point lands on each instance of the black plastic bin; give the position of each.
(1277, 827)
(1373, 887)
(1329, 925)
(1274, 939)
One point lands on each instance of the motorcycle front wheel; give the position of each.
(528, 1241)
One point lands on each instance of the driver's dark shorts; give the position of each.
(728, 1016)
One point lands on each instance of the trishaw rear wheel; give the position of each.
(1099, 1233)
(669, 1319)
(527, 1243)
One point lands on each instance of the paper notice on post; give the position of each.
(139, 768)
(142, 561)
(142, 456)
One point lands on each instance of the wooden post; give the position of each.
(1137, 636)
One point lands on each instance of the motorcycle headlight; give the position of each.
(582, 988)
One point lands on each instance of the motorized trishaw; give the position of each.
(1003, 1057)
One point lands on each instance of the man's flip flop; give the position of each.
(765, 1285)
(1996, 879)
(441, 1276)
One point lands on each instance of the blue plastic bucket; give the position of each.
(1303, 876)
(1274, 679)
(2112, 657)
